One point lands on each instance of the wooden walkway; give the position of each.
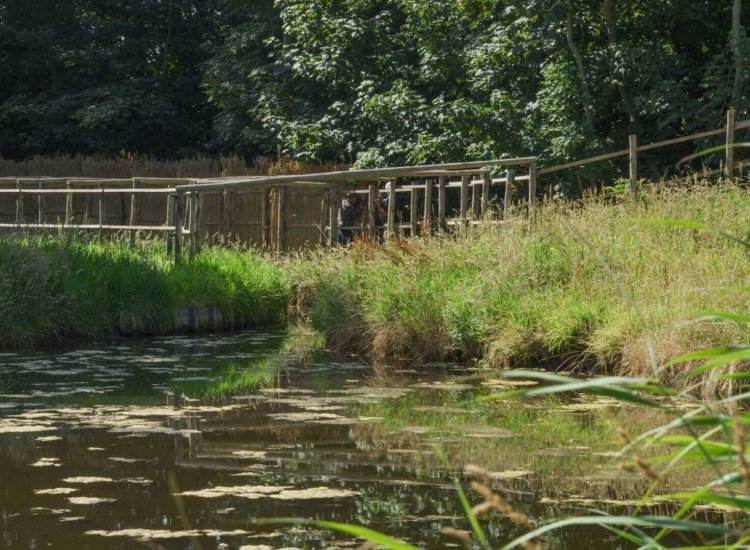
(183, 199)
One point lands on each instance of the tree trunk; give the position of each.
(609, 19)
(588, 108)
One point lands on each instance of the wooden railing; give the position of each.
(185, 196)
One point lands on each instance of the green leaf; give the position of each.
(346, 528)
(605, 386)
(475, 527)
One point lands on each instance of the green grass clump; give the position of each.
(583, 285)
(57, 286)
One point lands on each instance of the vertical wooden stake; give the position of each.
(633, 158)
(391, 223)
(729, 165)
(19, 204)
(413, 217)
(333, 216)
(323, 217)
(486, 182)
(532, 188)
(134, 207)
(101, 214)
(372, 211)
(178, 200)
(170, 216)
(40, 207)
(465, 181)
(510, 180)
(192, 224)
(68, 205)
(280, 221)
(198, 235)
(428, 206)
(442, 221)
(264, 196)
(222, 211)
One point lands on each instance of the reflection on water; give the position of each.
(140, 445)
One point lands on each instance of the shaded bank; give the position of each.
(583, 288)
(55, 287)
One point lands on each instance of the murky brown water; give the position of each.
(131, 446)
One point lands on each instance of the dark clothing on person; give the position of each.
(350, 213)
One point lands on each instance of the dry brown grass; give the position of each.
(129, 165)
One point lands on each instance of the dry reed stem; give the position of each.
(462, 536)
(502, 505)
(494, 501)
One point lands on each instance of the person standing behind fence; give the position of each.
(350, 213)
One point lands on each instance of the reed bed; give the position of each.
(130, 165)
(583, 289)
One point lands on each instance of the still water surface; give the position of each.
(132, 445)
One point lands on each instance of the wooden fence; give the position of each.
(295, 211)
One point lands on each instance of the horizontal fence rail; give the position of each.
(279, 211)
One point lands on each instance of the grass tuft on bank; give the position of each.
(66, 286)
(584, 287)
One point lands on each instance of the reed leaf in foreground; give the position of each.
(354, 530)
(617, 387)
(641, 521)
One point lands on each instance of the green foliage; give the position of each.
(105, 76)
(371, 82)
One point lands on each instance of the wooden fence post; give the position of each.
(475, 199)
(442, 221)
(633, 164)
(729, 166)
(486, 181)
(465, 180)
(134, 207)
(323, 217)
(40, 206)
(101, 214)
(510, 180)
(68, 205)
(532, 187)
(192, 226)
(333, 216)
(222, 211)
(391, 223)
(372, 211)
(428, 206)
(413, 217)
(19, 204)
(264, 196)
(170, 216)
(198, 236)
(280, 221)
(178, 227)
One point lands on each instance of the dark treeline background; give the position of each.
(368, 81)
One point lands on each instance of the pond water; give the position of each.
(188, 442)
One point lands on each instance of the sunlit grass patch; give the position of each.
(61, 285)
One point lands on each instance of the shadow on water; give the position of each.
(182, 443)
